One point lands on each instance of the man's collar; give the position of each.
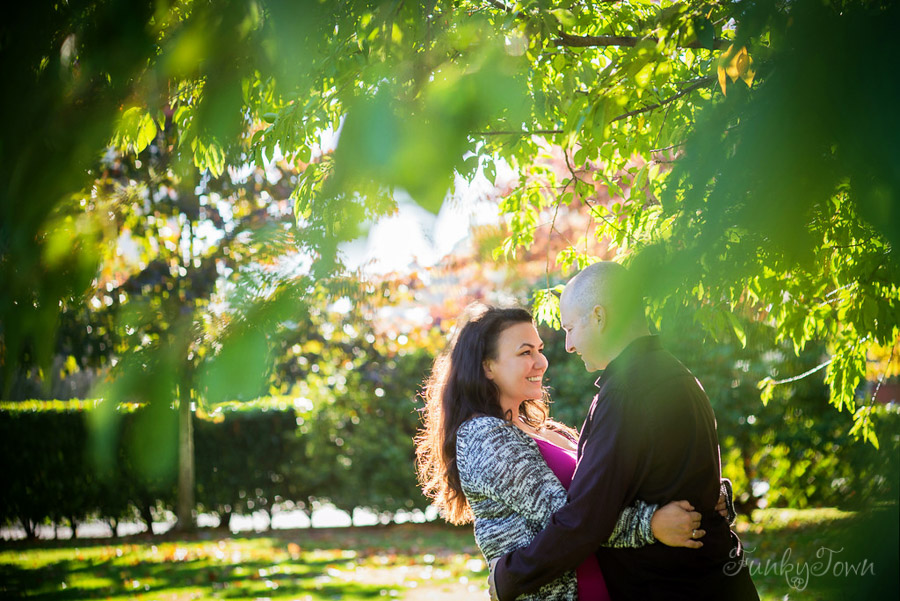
(636, 347)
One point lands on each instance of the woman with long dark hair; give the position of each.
(489, 453)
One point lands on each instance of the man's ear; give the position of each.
(598, 314)
(487, 364)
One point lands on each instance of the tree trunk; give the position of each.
(185, 459)
(30, 529)
(225, 520)
(147, 516)
(308, 510)
(74, 524)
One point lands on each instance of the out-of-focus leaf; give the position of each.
(238, 370)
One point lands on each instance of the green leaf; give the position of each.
(490, 171)
(546, 306)
(565, 17)
(767, 389)
(738, 328)
(705, 31)
(135, 130)
(146, 133)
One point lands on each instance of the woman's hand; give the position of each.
(722, 506)
(677, 525)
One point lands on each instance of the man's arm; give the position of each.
(606, 471)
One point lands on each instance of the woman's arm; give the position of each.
(633, 526)
(725, 506)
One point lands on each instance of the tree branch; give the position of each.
(697, 84)
(804, 374)
(552, 227)
(502, 6)
(587, 201)
(650, 107)
(536, 132)
(672, 147)
(593, 41)
(586, 41)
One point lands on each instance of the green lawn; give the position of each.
(410, 561)
(339, 563)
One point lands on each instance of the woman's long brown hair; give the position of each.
(457, 390)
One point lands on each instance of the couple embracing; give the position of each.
(615, 512)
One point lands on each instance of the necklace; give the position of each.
(547, 435)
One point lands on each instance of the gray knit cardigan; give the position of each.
(513, 492)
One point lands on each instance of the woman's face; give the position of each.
(518, 369)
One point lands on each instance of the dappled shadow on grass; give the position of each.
(325, 591)
(164, 576)
(364, 563)
(235, 588)
(15, 580)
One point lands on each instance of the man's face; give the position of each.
(584, 332)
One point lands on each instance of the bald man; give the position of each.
(650, 434)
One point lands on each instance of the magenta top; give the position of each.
(591, 586)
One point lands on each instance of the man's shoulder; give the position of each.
(612, 403)
(635, 391)
(657, 369)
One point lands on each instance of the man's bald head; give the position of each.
(609, 284)
(602, 311)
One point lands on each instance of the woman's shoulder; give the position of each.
(486, 445)
(482, 423)
(486, 432)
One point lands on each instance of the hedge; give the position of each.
(249, 457)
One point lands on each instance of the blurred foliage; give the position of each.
(747, 152)
(173, 200)
(790, 452)
(158, 250)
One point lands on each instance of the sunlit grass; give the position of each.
(359, 563)
(412, 561)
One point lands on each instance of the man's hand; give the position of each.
(677, 525)
(492, 587)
